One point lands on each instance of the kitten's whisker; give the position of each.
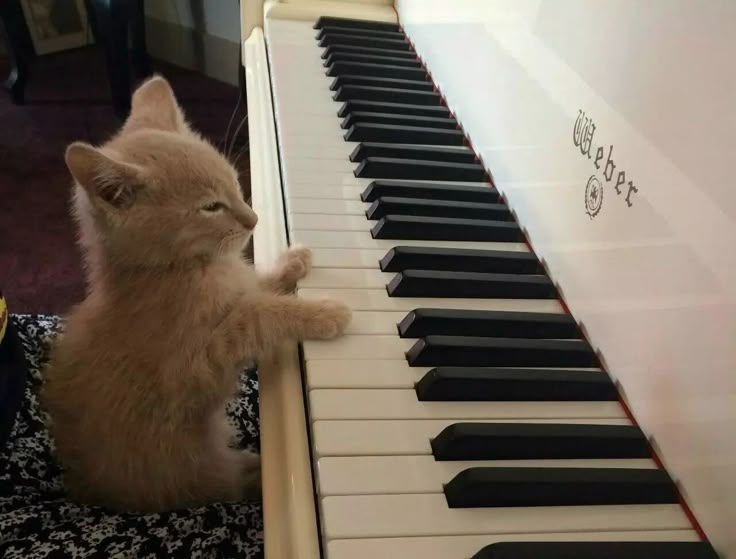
(223, 143)
(235, 135)
(240, 154)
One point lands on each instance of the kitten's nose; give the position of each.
(247, 218)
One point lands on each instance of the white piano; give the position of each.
(530, 207)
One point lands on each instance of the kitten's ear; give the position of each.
(106, 180)
(154, 106)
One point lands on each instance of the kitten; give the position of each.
(137, 384)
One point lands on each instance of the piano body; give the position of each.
(529, 205)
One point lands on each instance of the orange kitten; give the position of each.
(137, 385)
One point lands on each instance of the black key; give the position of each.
(470, 285)
(385, 60)
(493, 324)
(327, 21)
(347, 52)
(550, 487)
(349, 79)
(389, 205)
(421, 228)
(538, 441)
(451, 154)
(368, 68)
(458, 384)
(350, 107)
(466, 259)
(430, 191)
(357, 32)
(467, 351)
(368, 132)
(385, 167)
(597, 550)
(399, 120)
(387, 95)
(365, 41)
(362, 50)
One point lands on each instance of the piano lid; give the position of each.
(609, 128)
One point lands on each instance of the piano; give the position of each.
(529, 207)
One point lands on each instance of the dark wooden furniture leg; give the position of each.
(118, 61)
(15, 35)
(120, 23)
(139, 51)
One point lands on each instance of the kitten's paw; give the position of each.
(295, 264)
(331, 319)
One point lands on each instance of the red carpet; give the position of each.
(67, 99)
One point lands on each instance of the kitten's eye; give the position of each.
(213, 207)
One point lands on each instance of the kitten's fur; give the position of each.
(137, 384)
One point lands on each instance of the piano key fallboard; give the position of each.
(463, 414)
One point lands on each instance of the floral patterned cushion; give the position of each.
(37, 521)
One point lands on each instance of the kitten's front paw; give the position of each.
(331, 319)
(296, 263)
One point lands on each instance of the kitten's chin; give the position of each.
(236, 244)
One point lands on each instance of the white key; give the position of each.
(301, 59)
(367, 516)
(401, 437)
(462, 547)
(315, 93)
(329, 206)
(357, 347)
(323, 191)
(292, 32)
(298, 164)
(313, 106)
(334, 179)
(399, 403)
(330, 132)
(313, 125)
(323, 222)
(347, 257)
(363, 373)
(347, 278)
(368, 373)
(378, 300)
(369, 322)
(307, 72)
(402, 475)
(315, 151)
(351, 258)
(354, 239)
(327, 191)
(299, 141)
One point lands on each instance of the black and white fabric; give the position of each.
(37, 521)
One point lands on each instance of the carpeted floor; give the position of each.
(67, 99)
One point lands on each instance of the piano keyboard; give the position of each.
(462, 414)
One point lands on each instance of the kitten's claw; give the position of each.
(331, 319)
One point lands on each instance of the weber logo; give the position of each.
(583, 134)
